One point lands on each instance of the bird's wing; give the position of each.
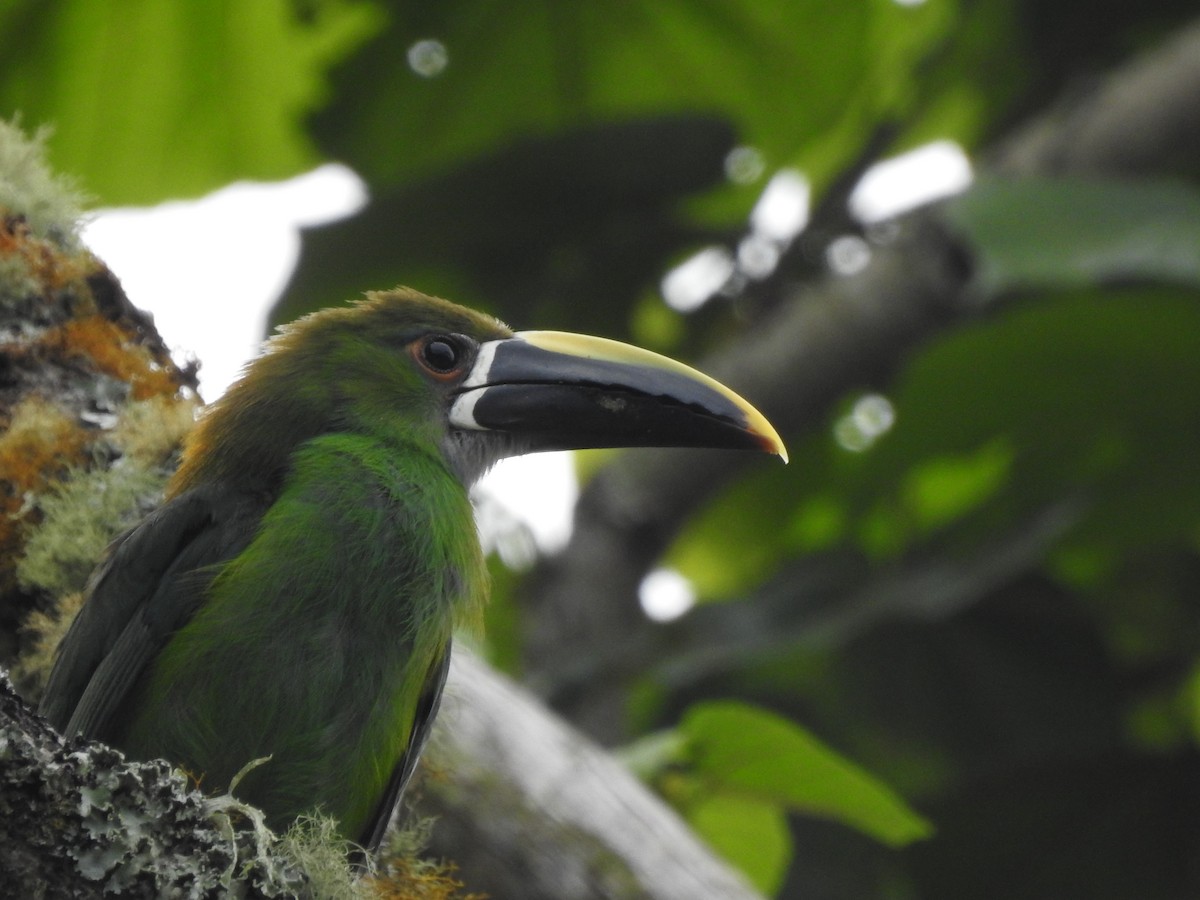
(426, 712)
(148, 586)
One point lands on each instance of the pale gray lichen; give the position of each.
(50, 204)
(80, 517)
(79, 820)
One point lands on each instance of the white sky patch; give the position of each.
(208, 269)
(904, 182)
(744, 165)
(428, 58)
(780, 214)
(782, 211)
(757, 256)
(692, 283)
(848, 254)
(871, 417)
(665, 595)
(539, 492)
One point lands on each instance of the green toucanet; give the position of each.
(295, 594)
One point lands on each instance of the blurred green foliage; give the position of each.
(987, 607)
(151, 99)
(747, 767)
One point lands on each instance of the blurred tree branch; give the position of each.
(830, 336)
(528, 807)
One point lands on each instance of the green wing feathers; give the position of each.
(321, 640)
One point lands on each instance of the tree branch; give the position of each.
(835, 335)
(528, 807)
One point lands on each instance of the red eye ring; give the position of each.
(441, 355)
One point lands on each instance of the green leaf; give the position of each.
(1071, 232)
(1086, 390)
(975, 76)
(651, 755)
(788, 75)
(1191, 701)
(758, 755)
(941, 489)
(750, 833)
(155, 98)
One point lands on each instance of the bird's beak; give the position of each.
(561, 391)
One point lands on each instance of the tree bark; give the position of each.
(528, 807)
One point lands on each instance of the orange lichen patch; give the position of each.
(407, 879)
(40, 442)
(104, 345)
(46, 262)
(405, 871)
(38, 445)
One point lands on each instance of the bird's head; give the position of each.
(419, 369)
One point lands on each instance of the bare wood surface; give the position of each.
(530, 808)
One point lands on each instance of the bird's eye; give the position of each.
(441, 354)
